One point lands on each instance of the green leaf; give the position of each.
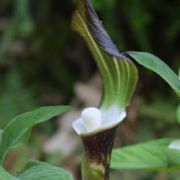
(19, 126)
(173, 156)
(4, 175)
(178, 113)
(119, 73)
(150, 155)
(36, 170)
(158, 66)
(1, 131)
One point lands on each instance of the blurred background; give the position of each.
(43, 62)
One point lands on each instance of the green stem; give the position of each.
(91, 170)
(97, 155)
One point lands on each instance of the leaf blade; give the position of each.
(17, 128)
(158, 66)
(37, 170)
(1, 132)
(149, 156)
(4, 175)
(178, 113)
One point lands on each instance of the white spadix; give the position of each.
(92, 118)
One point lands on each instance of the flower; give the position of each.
(94, 120)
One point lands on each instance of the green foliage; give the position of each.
(4, 175)
(21, 25)
(178, 113)
(153, 155)
(173, 158)
(1, 131)
(14, 99)
(37, 170)
(138, 9)
(133, 24)
(103, 4)
(19, 126)
(14, 133)
(158, 66)
(22, 20)
(156, 108)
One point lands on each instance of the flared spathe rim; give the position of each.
(94, 120)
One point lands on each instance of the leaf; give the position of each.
(158, 66)
(4, 175)
(1, 131)
(37, 170)
(178, 113)
(119, 73)
(15, 99)
(19, 126)
(173, 156)
(150, 155)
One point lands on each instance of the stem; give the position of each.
(97, 155)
